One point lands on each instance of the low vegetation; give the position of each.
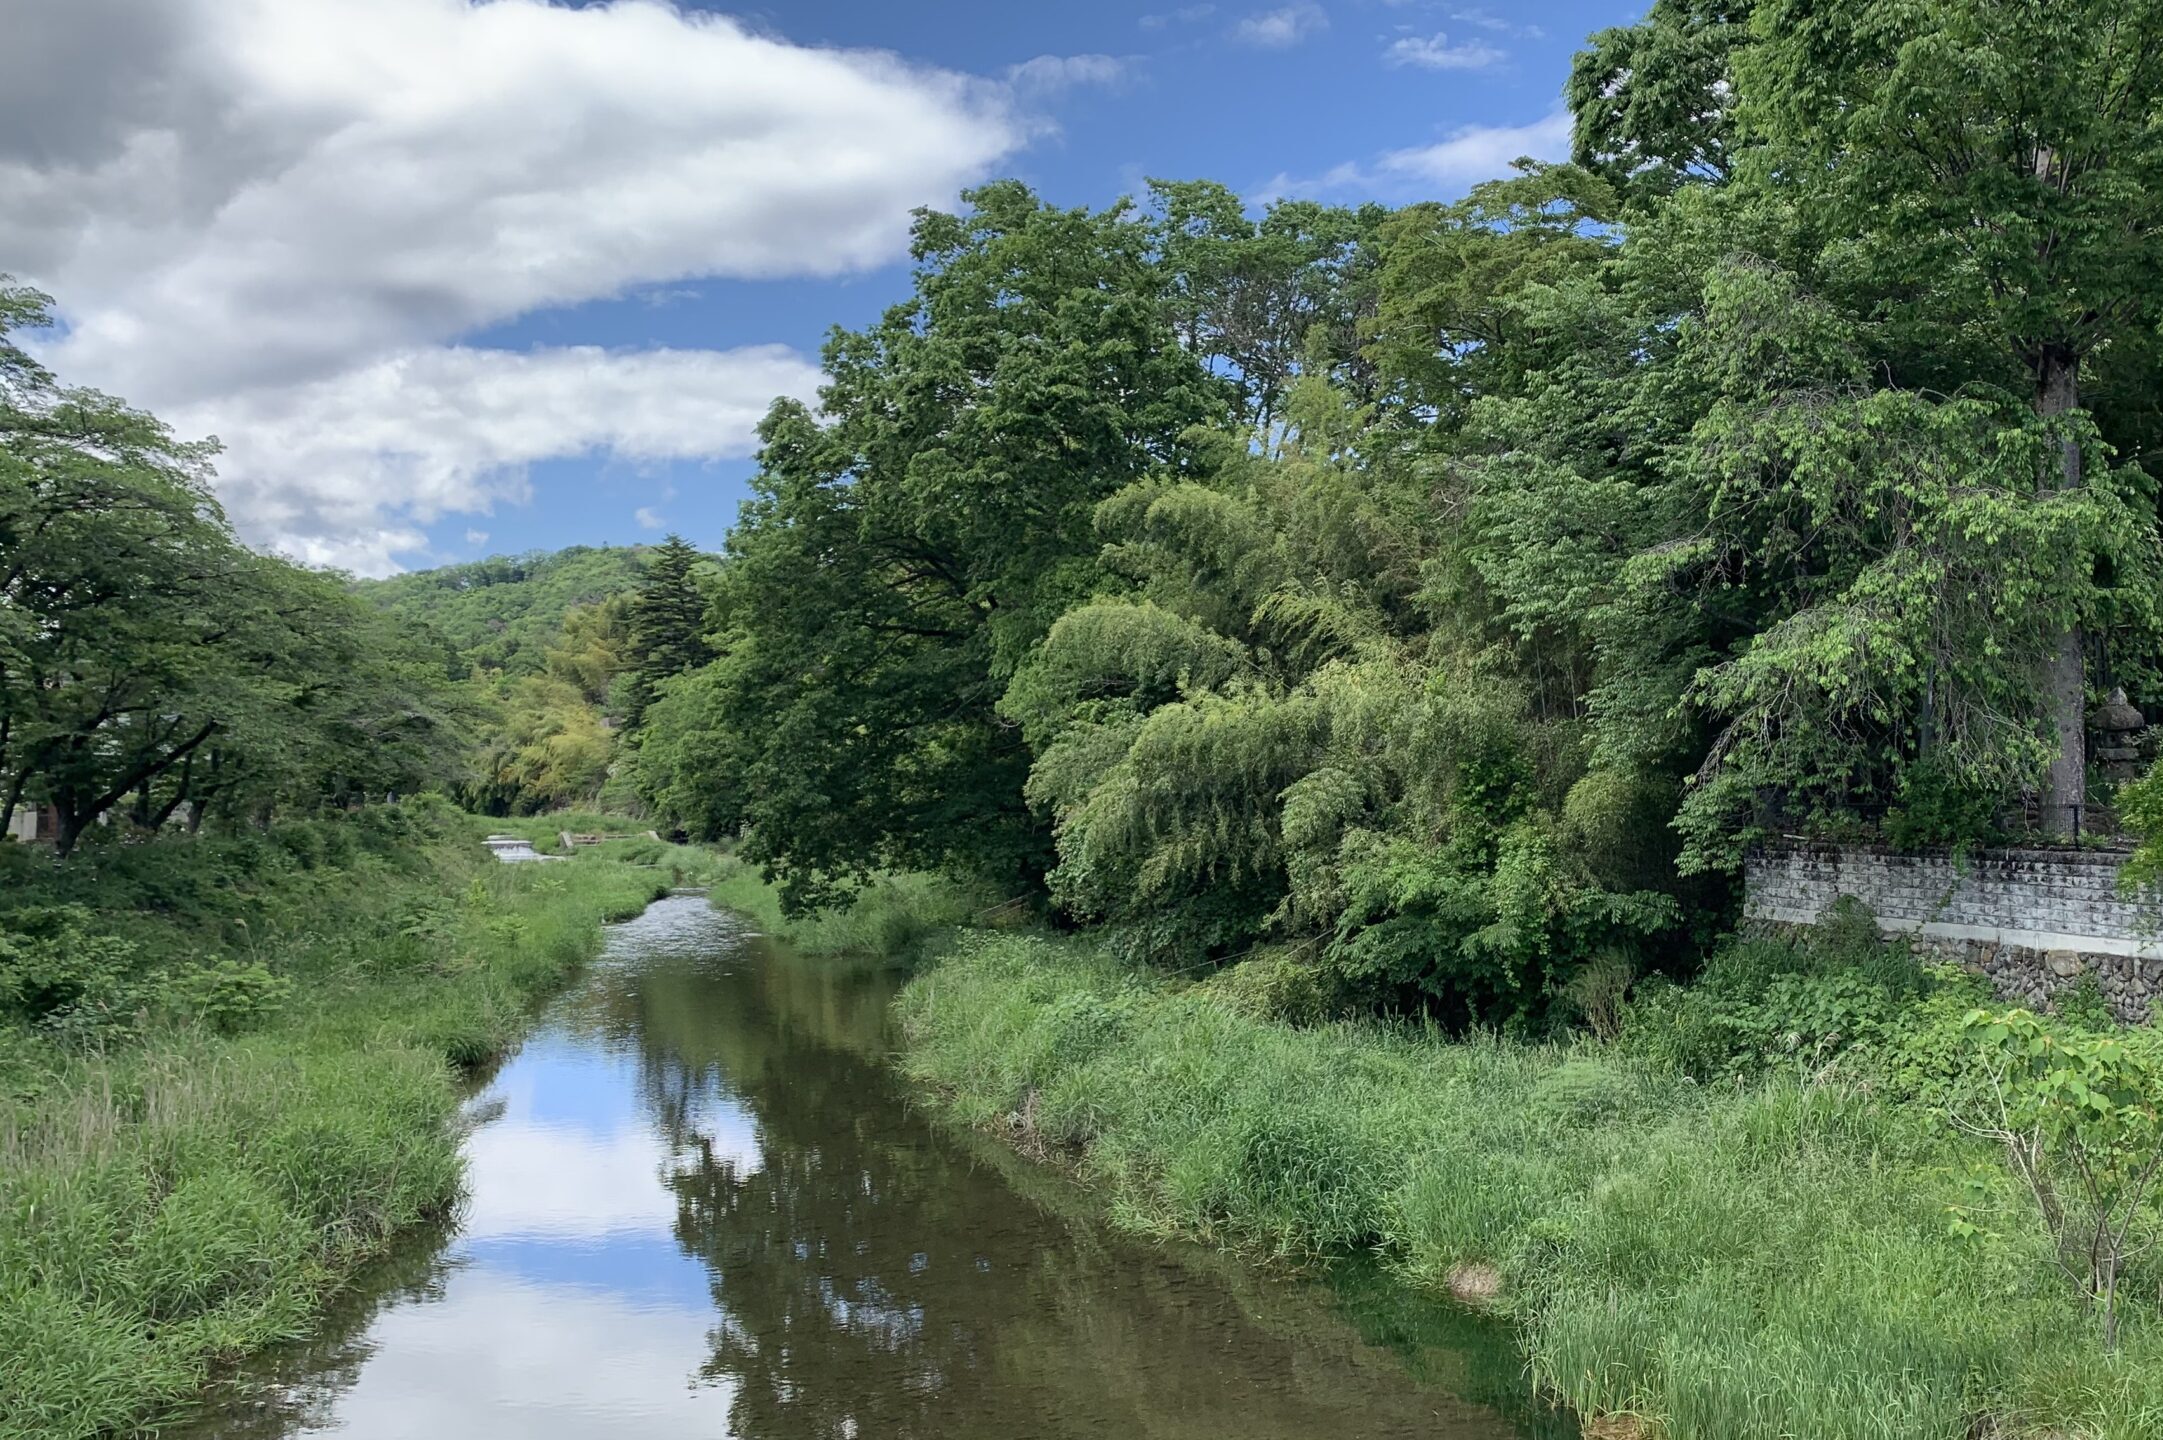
(1747, 1217)
(890, 916)
(228, 1075)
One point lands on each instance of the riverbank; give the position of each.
(1703, 1261)
(228, 1076)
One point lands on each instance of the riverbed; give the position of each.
(701, 1204)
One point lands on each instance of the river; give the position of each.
(702, 1205)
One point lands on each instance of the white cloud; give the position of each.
(476, 537)
(648, 518)
(1434, 52)
(1185, 15)
(273, 219)
(1449, 167)
(449, 429)
(1486, 20)
(1048, 75)
(1482, 152)
(1282, 28)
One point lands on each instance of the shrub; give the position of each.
(1276, 984)
(2081, 1122)
(58, 971)
(228, 996)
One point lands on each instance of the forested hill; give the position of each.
(504, 612)
(558, 652)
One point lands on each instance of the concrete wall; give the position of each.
(2035, 921)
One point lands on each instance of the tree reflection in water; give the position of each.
(875, 1277)
(704, 1204)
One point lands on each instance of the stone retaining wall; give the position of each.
(2034, 921)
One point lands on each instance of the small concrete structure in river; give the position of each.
(515, 849)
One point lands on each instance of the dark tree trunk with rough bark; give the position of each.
(2065, 784)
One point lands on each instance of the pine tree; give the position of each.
(668, 624)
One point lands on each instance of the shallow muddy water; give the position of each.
(701, 1205)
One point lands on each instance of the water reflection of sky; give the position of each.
(502, 1355)
(570, 1308)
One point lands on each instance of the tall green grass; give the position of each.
(173, 1194)
(892, 916)
(1762, 1261)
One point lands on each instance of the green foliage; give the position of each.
(229, 997)
(149, 660)
(890, 917)
(2081, 1122)
(667, 624)
(1280, 984)
(1649, 100)
(906, 546)
(505, 613)
(58, 971)
(1835, 1002)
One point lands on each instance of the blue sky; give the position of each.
(451, 278)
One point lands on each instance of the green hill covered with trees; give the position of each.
(558, 651)
(503, 613)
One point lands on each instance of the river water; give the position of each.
(701, 1205)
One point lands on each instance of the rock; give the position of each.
(2064, 964)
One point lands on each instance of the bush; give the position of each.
(230, 997)
(1836, 996)
(1276, 985)
(58, 971)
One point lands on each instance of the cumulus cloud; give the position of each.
(449, 429)
(1282, 28)
(648, 518)
(1482, 152)
(1435, 52)
(274, 219)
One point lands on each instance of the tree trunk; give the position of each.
(74, 818)
(2065, 785)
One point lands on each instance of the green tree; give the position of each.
(667, 624)
(907, 546)
(1999, 170)
(1652, 103)
(149, 659)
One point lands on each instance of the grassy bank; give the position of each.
(892, 916)
(228, 1075)
(1763, 1260)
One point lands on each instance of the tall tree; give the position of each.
(2000, 169)
(148, 657)
(667, 624)
(908, 545)
(1653, 103)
